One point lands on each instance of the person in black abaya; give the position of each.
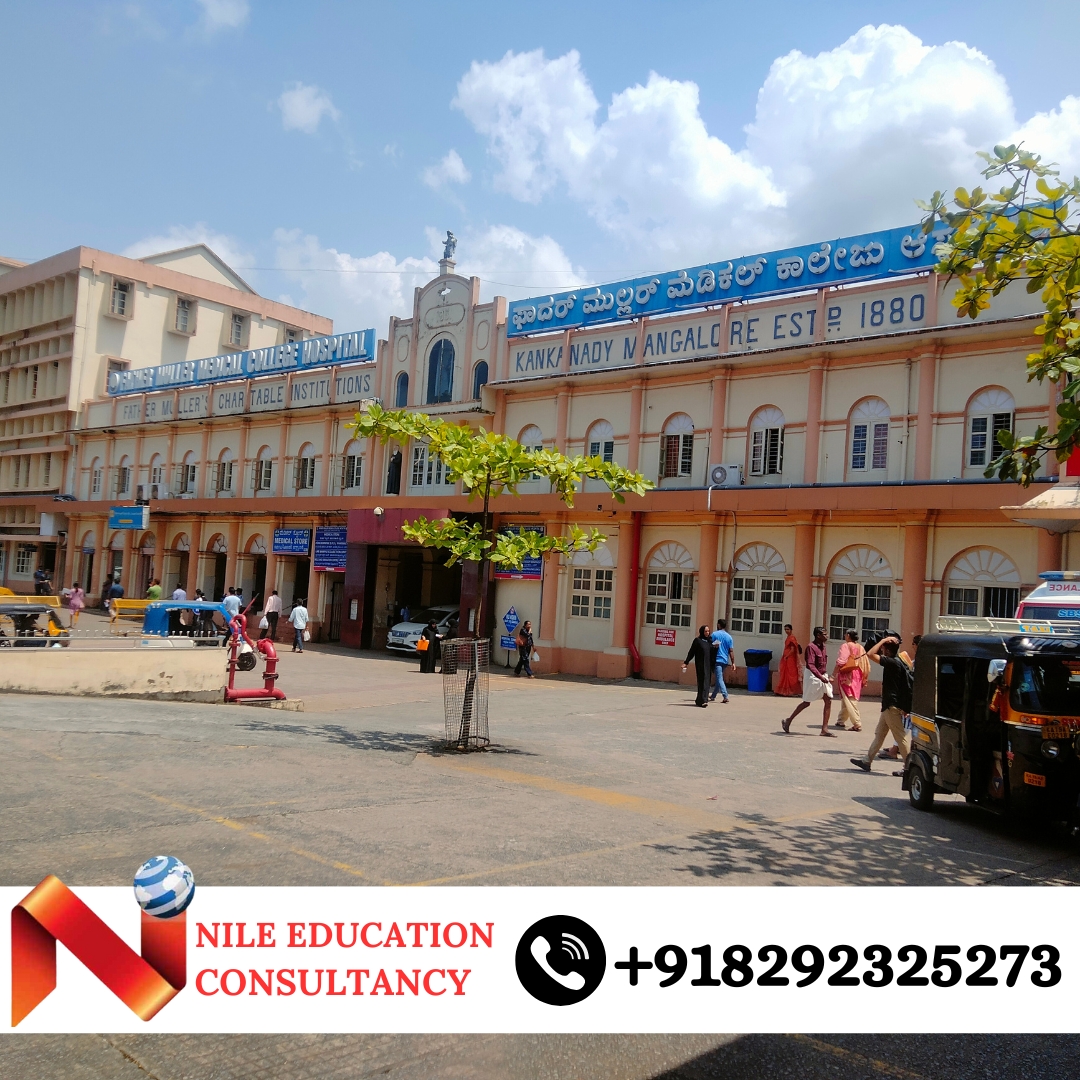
(703, 653)
(430, 656)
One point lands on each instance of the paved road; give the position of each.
(589, 784)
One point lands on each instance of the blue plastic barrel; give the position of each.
(757, 670)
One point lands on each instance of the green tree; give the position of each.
(1029, 229)
(489, 465)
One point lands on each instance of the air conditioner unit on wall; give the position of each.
(725, 475)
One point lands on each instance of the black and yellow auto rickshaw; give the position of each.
(996, 717)
(19, 627)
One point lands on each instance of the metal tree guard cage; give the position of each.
(466, 669)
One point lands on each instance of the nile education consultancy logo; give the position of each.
(560, 960)
(164, 887)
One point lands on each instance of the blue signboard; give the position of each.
(532, 568)
(292, 541)
(508, 643)
(347, 348)
(510, 620)
(330, 548)
(129, 517)
(855, 258)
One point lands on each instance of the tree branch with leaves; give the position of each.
(490, 465)
(1028, 230)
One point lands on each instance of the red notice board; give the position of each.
(665, 637)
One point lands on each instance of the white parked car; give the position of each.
(404, 635)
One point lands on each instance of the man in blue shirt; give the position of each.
(231, 603)
(725, 651)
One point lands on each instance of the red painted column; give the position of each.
(913, 608)
(802, 584)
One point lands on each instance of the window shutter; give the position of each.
(663, 456)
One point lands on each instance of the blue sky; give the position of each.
(324, 149)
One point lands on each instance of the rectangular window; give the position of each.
(605, 580)
(963, 602)
(157, 474)
(601, 607)
(264, 470)
(7, 385)
(839, 625)
(236, 330)
(224, 475)
(46, 469)
(95, 481)
(605, 450)
(187, 479)
(844, 594)
(655, 613)
(872, 626)
(772, 591)
(858, 447)
(771, 621)
(680, 615)
(292, 335)
(880, 457)
(877, 598)
(34, 374)
(657, 585)
(353, 471)
(742, 620)
(419, 465)
(123, 480)
(121, 298)
(999, 603)
(592, 593)
(24, 559)
(305, 473)
(183, 315)
(676, 455)
(983, 446)
(579, 602)
(767, 451)
(743, 589)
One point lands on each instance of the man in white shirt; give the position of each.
(178, 593)
(175, 624)
(231, 603)
(272, 611)
(299, 619)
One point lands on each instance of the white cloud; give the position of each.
(224, 14)
(303, 107)
(225, 247)
(841, 142)
(360, 291)
(451, 170)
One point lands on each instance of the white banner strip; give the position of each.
(487, 959)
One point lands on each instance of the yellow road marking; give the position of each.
(850, 1056)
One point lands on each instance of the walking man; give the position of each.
(231, 603)
(703, 653)
(299, 620)
(272, 611)
(525, 648)
(896, 683)
(725, 652)
(817, 685)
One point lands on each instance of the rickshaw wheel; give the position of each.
(921, 789)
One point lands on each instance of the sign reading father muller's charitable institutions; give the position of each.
(880, 254)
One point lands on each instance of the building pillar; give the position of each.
(271, 565)
(194, 556)
(1049, 551)
(282, 457)
(913, 605)
(706, 590)
(549, 600)
(719, 415)
(161, 541)
(230, 557)
(127, 573)
(356, 557)
(498, 424)
(813, 423)
(562, 413)
(624, 585)
(633, 448)
(240, 481)
(100, 557)
(924, 426)
(802, 585)
(205, 486)
(73, 547)
(327, 456)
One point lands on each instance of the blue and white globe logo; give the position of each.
(164, 886)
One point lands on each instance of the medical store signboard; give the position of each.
(334, 349)
(292, 541)
(880, 254)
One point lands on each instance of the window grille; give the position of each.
(983, 444)
(352, 469)
(767, 451)
(676, 455)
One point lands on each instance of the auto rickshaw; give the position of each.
(996, 717)
(192, 619)
(19, 627)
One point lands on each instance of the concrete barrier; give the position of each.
(157, 674)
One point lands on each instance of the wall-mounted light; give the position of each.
(379, 511)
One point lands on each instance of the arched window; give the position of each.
(869, 436)
(97, 476)
(757, 591)
(223, 481)
(401, 391)
(600, 442)
(181, 542)
(861, 589)
(428, 471)
(352, 466)
(256, 544)
(677, 447)
(594, 581)
(669, 587)
(440, 384)
(982, 581)
(187, 474)
(123, 477)
(767, 442)
(304, 470)
(989, 412)
(479, 378)
(532, 438)
(217, 545)
(263, 472)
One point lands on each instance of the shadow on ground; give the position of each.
(837, 850)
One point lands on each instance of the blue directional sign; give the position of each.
(508, 643)
(510, 621)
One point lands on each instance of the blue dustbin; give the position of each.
(757, 670)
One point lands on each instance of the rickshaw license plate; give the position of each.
(1056, 731)
(1034, 779)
